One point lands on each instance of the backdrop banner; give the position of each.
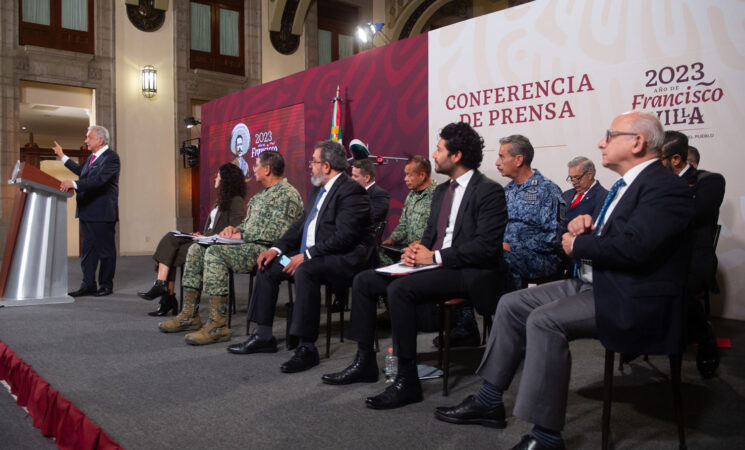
(559, 71)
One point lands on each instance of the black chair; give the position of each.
(446, 309)
(231, 295)
(342, 291)
(675, 369)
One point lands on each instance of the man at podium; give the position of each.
(97, 196)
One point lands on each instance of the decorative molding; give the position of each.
(283, 40)
(145, 16)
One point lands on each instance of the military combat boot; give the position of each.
(216, 329)
(188, 318)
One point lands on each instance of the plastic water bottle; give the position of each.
(391, 366)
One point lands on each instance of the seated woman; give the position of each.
(230, 209)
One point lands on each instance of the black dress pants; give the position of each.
(404, 293)
(98, 245)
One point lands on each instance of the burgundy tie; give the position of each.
(93, 157)
(444, 218)
(577, 199)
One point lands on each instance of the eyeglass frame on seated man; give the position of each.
(610, 134)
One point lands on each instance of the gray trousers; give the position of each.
(539, 322)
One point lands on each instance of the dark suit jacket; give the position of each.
(708, 191)
(344, 228)
(233, 217)
(97, 194)
(639, 265)
(380, 202)
(593, 197)
(477, 238)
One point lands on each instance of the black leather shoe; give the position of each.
(82, 293)
(528, 442)
(461, 337)
(471, 412)
(404, 390)
(104, 291)
(159, 288)
(254, 345)
(707, 358)
(167, 303)
(364, 369)
(303, 359)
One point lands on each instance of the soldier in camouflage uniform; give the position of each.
(415, 213)
(270, 213)
(535, 208)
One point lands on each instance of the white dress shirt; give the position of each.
(462, 183)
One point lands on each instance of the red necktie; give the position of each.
(444, 218)
(93, 157)
(577, 199)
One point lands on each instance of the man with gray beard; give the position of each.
(331, 242)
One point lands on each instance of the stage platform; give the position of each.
(151, 390)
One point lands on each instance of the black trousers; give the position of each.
(98, 245)
(308, 277)
(404, 293)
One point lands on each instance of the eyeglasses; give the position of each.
(312, 161)
(575, 178)
(610, 134)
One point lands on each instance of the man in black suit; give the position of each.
(586, 192)
(97, 196)
(330, 243)
(708, 190)
(463, 239)
(363, 172)
(629, 294)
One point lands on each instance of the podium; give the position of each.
(34, 270)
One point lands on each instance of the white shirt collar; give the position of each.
(101, 150)
(464, 179)
(634, 172)
(369, 186)
(331, 182)
(685, 169)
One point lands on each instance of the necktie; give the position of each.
(444, 217)
(311, 215)
(608, 200)
(93, 158)
(577, 199)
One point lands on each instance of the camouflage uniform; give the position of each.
(534, 225)
(270, 212)
(413, 219)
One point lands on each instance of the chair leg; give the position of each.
(250, 297)
(328, 320)
(344, 300)
(446, 359)
(607, 397)
(181, 283)
(487, 329)
(439, 334)
(290, 307)
(675, 369)
(231, 296)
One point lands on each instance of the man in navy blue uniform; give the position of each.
(97, 196)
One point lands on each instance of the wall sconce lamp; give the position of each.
(191, 122)
(149, 81)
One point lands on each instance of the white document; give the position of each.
(403, 269)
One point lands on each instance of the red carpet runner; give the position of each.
(52, 413)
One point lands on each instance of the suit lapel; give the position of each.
(329, 196)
